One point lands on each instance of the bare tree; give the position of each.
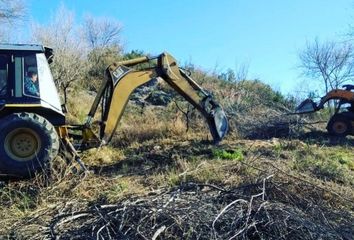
(102, 32)
(330, 63)
(12, 10)
(102, 36)
(241, 72)
(69, 63)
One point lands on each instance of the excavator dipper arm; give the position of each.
(121, 80)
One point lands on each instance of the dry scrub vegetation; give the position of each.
(268, 179)
(276, 176)
(187, 189)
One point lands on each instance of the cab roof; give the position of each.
(48, 52)
(23, 47)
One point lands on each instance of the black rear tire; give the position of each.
(28, 143)
(339, 125)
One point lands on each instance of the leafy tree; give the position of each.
(240, 73)
(98, 60)
(133, 54)
(228, 76)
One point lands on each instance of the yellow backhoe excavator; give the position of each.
(342, 122)
(32, 124)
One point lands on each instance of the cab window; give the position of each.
(30, 83)
(4, 68)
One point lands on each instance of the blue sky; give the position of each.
(221, 34)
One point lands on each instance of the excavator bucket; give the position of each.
(307, 106)
(218, 123)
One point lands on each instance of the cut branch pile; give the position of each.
(269, 123)
(196, 211)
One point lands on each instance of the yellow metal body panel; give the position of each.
(187, 89)
(121, 96)
(22, 105)
(88, 137)
(128, 63)
(62, 132)
(121, 80)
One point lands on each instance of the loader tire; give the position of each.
(28, 144)
(339, 125)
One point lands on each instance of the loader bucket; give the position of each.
(307, 106)
(218, 123)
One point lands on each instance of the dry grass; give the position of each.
(145, 176)
(153, 159)
(77, 112)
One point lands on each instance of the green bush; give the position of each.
(228, 154)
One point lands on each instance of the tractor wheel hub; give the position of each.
(22, 144)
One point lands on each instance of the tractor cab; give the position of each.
(26, 83)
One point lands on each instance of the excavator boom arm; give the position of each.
(121, 80)
(337, 94)
(344, 95)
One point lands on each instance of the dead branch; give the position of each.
(189, 213)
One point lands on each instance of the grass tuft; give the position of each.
(228, 154)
